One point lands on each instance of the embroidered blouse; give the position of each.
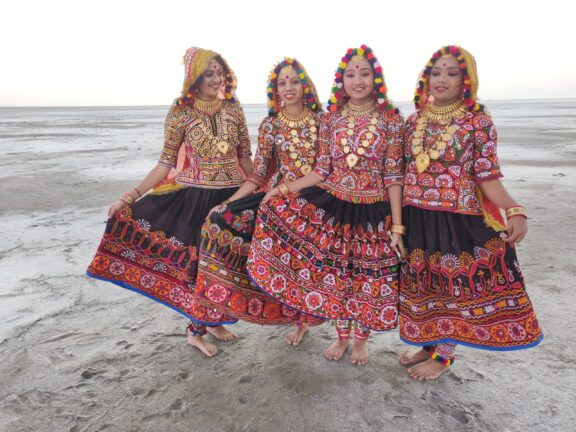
(276, 145)
(449, 182)
(379, 165)
(213, 145)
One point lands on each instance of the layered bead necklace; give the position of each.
(210, 108)
(302, 151)
(354, 147)
(443, 116)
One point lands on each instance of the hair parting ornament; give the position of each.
(337, 97)
(310, 96)
(467, 66)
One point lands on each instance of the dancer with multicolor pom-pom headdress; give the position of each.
(327, 250)
(150, 243)
(287, 147)
(462, 283)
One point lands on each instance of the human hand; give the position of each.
(271, 193)
(116, 205)
(517, 229)
(397, 244)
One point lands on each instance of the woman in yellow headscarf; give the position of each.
(150, 243)
(462, 282)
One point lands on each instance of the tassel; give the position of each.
(491, 213)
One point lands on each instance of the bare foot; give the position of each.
(336, 349)
(414, 356)
(295, 336)
(221, 333)
(428, 370)
(198, 341)
(360, 354)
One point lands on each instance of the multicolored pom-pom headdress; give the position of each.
(467, 66)
(338, 98)
(310, 94)
(196, 60)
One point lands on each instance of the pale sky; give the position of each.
(57, 52)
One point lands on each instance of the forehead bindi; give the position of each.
(446, 62)
(214, 66)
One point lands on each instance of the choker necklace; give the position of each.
(447, 113)
(359, 110)
(210, 107)
(290, 120)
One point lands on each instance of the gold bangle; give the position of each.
(127, 198)
(516, 211)
(399, 229)
(283, 188)
(125, 201)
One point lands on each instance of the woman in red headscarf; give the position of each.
(462, 283)
(151, 239)
(327, 250)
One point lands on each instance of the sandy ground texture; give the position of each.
(83, 355)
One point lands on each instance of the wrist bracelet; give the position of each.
(283, 188)
(516, 211)
(399, 229)
(126, 200)
(138, 192)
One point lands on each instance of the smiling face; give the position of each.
(446, 82)
(289, 87)
(359, 81)
(212, 81)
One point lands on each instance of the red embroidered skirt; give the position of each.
(223, 282)
(462, 284)
(151, 248)
(327, 257)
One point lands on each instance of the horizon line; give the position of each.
(247, 103)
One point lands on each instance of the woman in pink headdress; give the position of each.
(151, 238)
(327, 250)
(287, 148)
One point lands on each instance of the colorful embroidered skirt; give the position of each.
(151, 248)
(223, 282)
(462, 283)
(327, 257)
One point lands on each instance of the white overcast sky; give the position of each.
(56, 52)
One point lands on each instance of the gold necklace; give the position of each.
(294, 120)
(447, 113)
(443, 116)
(210, 107)
(302, 152)
(360, 110)
(356, 148)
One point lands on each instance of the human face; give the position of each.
(289, 87)
(212, 80)
(359, 81)
(446, 82)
